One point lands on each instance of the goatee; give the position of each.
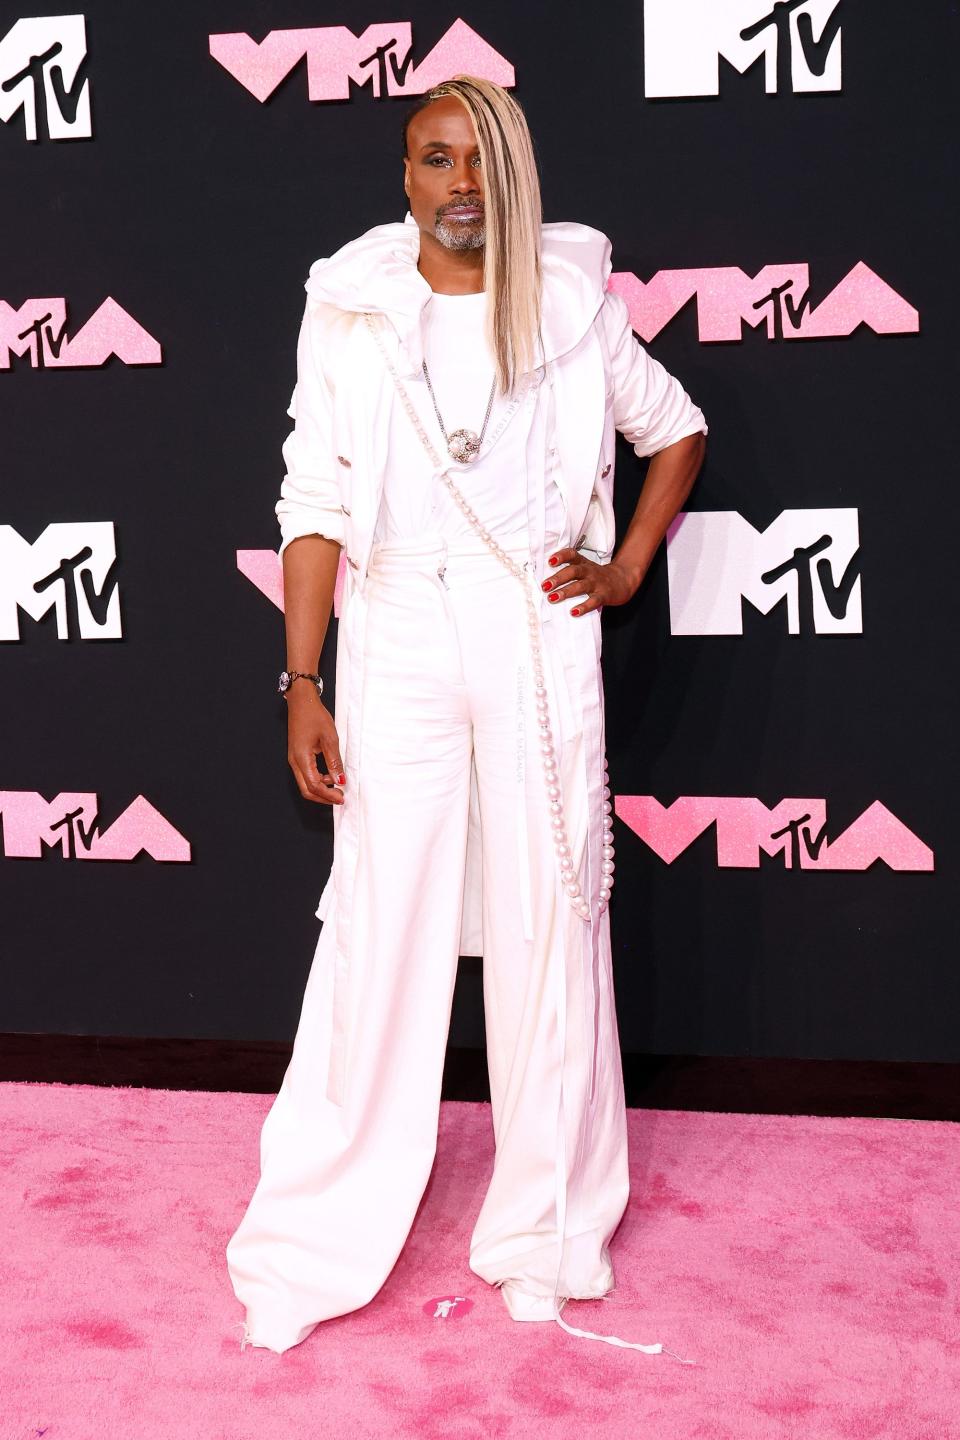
(456, 235)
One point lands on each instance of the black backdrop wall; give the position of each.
(199, 208)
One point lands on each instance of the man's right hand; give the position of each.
(312, 733)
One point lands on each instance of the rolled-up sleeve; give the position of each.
(309, 501)
(651, 409)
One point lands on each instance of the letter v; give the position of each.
(837, 597)
(817, 52)
(260, 68)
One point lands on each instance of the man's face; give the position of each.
(442, 176)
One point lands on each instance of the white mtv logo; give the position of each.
(70, 568)
(799, 41)
(811, 558)
(40, 74)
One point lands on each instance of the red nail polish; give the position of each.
(341, 779)
(552, 560)
(546, 584)
(574, 612)
(551, 598)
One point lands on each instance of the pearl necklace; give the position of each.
(561, 844)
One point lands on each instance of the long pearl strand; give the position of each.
(561, 843)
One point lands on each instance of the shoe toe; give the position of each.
(524, 1306)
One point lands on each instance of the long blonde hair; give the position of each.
(513, 212)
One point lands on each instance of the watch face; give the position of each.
(284, 681)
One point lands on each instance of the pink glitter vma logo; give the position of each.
(778, 296)
(70, 823)
(795, 829)
(37, 331)
(264, 569)
(381, 57)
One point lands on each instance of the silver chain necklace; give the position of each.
(463, 445)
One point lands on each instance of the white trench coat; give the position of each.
(595, 378)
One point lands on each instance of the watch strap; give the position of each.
(287, 678)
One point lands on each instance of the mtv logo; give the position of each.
(70, 569)
(808, 558)
(42, 65)
(797, 40)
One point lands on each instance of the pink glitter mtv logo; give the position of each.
(381, 57)
(69, 822)
(38, 330)
(795, 829)
(777, 296)
(264, 569)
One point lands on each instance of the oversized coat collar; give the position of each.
(378, 272)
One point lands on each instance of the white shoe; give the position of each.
(524, 1306)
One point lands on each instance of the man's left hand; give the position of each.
(591, 584)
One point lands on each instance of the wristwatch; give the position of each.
(287, 678)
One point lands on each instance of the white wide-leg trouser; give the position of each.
(446, 675)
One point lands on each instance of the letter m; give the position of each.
(14, 323)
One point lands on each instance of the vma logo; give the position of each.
(38, 331)
(70, 824)
(778, 296)
(70, 569)
(382, 57)
(805, 560)
(795, 829)
(43, 74)
(797, 42)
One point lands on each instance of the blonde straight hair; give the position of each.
(513, 212)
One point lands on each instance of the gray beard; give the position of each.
(461, 237)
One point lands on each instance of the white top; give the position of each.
(461, 366)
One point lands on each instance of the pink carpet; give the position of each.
(808, 1266)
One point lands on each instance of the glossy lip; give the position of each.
(463, 212)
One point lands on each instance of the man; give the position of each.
(461, 376)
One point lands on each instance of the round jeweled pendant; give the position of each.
(463, 445)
